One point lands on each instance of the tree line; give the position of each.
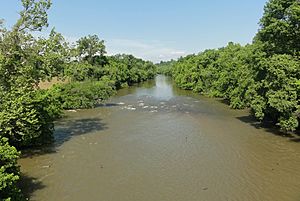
(27, 112)
(263, 76)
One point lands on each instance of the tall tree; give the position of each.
(18, 48)
(280, 27)
(26, 116)
(90, 48)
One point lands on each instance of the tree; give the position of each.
(52, 56)
(27, 115)
(34, 15)
(19, 66)
(276, 95)
(91, 49)
(280, 27)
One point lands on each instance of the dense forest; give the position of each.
(27, 112)
(263, 76)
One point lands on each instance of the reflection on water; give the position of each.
(163, 89)
(154, 141)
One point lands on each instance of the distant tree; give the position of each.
(90, 48)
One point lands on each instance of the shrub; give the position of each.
(9, 172)
(26, 118)
(78, 95)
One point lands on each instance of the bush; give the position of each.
(79, 95)
(278, 91)
(26, 118)
(9, 172)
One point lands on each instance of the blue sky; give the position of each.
(154, 29)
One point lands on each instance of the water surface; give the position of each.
(155, 142)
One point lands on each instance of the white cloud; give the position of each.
(150, 50)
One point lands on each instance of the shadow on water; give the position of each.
(224, 101)
(67, 128)
(46, 149)
(107, 105)
(29, 185)
(269, 128)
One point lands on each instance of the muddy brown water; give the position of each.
(155, 142)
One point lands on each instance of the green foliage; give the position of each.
(24, 59)
(76, 95)
(278, 90)
(53, 56)
(90, 49)
(128, 69)
(27, 114)
(82, 71)
(280, 32)
(9, 172)
(122, 69)
(34, 15)
(165, 67)
(246, 77)
(26, 118)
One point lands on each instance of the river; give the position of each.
(155, 142)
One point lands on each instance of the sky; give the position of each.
(151, 29)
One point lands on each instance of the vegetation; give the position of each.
(76, 95)
(165, 67)
(264, 75)
(9, 172)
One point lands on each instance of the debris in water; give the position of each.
(121, 103)
(71, 110)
